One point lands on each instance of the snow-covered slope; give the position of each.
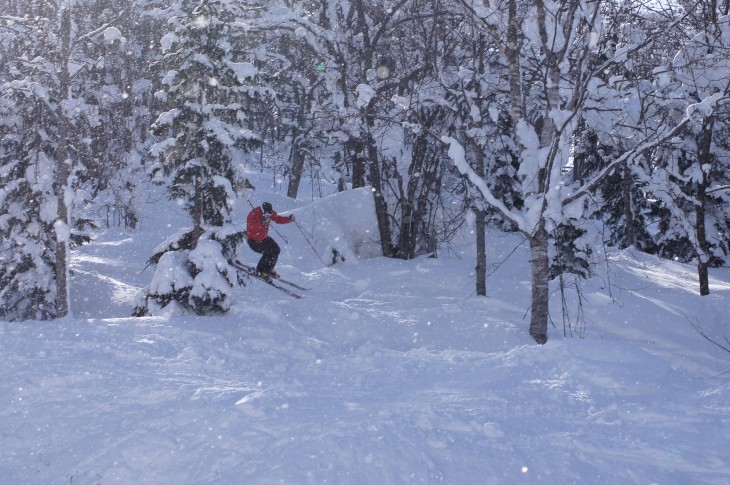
(388, 372)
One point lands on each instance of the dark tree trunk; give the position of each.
(63, 171)
(354, 157)
(299, 144)
(705, 158)
(297, 166)
(410, 216)
(481, 267)
(197, 214)
(381, 206)
(481, 228)
(626, 184)
(702, 263)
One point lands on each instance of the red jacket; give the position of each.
(257, 225)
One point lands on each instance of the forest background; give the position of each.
(555, 120)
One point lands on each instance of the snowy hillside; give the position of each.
(387, 372)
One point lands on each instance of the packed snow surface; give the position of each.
(386, 372)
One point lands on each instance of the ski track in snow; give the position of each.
(387, 372)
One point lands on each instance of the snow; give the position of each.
(705, 107)
(172, 275)
(244, 70)
(387, 371)
(168, 40)
(112, 34)
(48, 210)
(63, 233)
(365, 93)
(351, 232)
(214, 278)
(561, 117)
(530, 142)
(169, 77)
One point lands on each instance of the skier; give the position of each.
(257, 233)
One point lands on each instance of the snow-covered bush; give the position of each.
(187, 279)
(213, 279)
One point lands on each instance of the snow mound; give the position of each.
(341, 224)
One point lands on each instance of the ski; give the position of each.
(252, 272)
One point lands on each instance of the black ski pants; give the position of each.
(269, 251)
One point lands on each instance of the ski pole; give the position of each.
(286, 240)
(308, 242)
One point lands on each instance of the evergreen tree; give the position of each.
(208, 91)
(45, 126)
(690, 175)
(620, 202)
(27, 258)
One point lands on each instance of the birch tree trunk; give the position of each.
(512, 54)
(540, 289)
(538, 238)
